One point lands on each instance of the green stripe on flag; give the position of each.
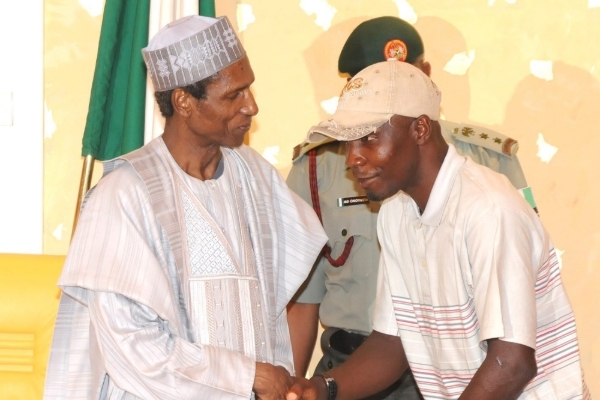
(115, 120)
(528, 195)
(207, 8)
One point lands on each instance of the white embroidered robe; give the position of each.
(157, 305)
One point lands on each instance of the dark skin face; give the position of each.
(387, 145)
(384, 162)
(403, 154)
(224, 117)
(200, 127)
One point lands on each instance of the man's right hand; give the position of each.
(362, 375)
(271, 382)
(304, 389)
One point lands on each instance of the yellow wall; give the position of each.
(295, 61)
(70, 43)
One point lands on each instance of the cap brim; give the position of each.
(347, 126)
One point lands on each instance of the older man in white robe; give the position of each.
(188, 249)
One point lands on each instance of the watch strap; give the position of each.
(331, 385)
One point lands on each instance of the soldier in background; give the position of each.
(341, 288)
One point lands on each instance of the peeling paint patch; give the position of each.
(245, 16)
(593, 3)
(406, 12)
(545, 150)
(460, 63)
(541, 69)
(559, 254)
(49, 125)
(94, 7)
(330, 105)
(322, 9)
(58, 232)
(270, 154)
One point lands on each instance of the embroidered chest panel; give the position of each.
(208, 254)
(224, 299)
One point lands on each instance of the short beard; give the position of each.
(377, 196)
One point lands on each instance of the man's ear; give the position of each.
(426, 68)
(182, 102)
(422, 129)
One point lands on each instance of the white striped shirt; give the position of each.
(476, 265)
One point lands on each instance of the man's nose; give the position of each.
(353, 156)
(250, 107)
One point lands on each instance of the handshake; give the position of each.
(275, 383)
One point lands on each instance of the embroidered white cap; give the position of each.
(190, 49)
(374, 95)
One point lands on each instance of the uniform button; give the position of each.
(329, 365)
(344, 232)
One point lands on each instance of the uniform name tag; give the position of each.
(352, 201)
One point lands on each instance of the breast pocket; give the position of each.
(360, 223)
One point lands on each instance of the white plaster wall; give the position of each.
(21, 141)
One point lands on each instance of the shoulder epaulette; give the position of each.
(307, 146)
(483, 137)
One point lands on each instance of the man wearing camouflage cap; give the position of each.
(188, 249)
(342, 287)
(469, 293)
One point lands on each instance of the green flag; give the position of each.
(115, 120)
(207, 8)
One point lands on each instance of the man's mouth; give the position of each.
(244, 128)
(364, 180)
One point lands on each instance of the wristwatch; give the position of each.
(331, 385)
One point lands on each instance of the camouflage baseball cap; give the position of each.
(380, 39)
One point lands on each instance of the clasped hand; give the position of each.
(271, 382)
(303, 389)
(275, 383)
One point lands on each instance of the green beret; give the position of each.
(377, 40)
